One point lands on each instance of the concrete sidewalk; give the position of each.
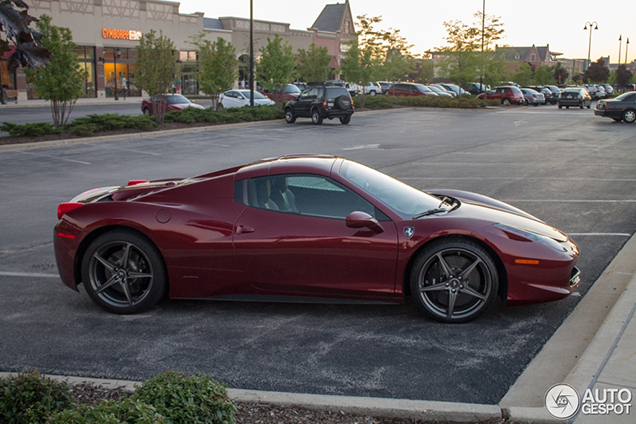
(82, 101)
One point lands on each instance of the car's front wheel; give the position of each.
(315, 117)
(454, 281)
(629, 116)
(146, 111)
(289, 116)
(123, 272)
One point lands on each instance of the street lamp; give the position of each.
(115, 56)
(251, 53)
(481, 70)
(620, 38)
(589, 46)
(626, 46)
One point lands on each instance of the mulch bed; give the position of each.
(252, 413)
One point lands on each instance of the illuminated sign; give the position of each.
(121, 34)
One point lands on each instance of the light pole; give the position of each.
(589, 46)
(251, 53)
(620, 38)
(115, 56)
(626, 46)
(481, 71)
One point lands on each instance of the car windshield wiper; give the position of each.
(430, 212)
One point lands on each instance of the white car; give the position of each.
(372, 89)
(240, 98)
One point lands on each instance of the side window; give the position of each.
(307, 194)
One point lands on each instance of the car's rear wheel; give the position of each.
(505, 102)
(560, 107)
(146, 111)
(289, 116)
(581, 104)
(629, 116)
(315, 117)
(372, 93)
(123, 272)
(344, 120)
(454, 281)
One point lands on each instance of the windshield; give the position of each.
(422, 89)
(403, 199)
(291, 89)
(176, 99)
(257, 95)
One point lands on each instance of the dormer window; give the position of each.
(533, 57)
(517, 56)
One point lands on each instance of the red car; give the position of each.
(290, 92)
(171, 102)
(410, 89)
(506, 95)
(310, 226)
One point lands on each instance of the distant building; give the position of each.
(535, 56)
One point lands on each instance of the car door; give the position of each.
(302, 107)
(308, 249)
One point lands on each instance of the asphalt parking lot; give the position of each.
(573, 170)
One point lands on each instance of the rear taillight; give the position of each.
(324, 104)
(66, 207)
(135, 182)
(605, 105)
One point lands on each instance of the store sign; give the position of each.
(121, 34)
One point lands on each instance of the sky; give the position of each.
(558, 23)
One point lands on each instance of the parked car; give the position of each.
(533, 97)
(455, 88)
(444, 89)
(622, 108)
(547, 93)
(556, 92)
(507, 95)
(609, 90)
(290, 92)
(241, 98)
(575, 96)
(301, 85)
(319, 102)
(410, 89)
(352, 88)
(372, 89)
(385, 86)
(596, 92)
(477, 88)
(168, 102)
(440, 91)
(313, 227)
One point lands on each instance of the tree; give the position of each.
(61, 81)
(544, 75)
(523, 75)
(313, 64)
(276, 67)
(29, 52)
(560, 73)
(623, 76)
(597, 72)
(218, 66)
(357, 66)
(156, 60)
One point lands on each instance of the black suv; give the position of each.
(320, 102)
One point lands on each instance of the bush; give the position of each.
(84, 130)
(31, 398)
(187, 399)
(87, 125)
(110, 412)
(30, 130)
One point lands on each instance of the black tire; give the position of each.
(505, 102)
(536, 104)
(344, 120)
(589, 105)
(146, 111)
(526, 102)
(289, 116)
(315, 116)
(124, 273)
(629, 116)
(454, 281)
(581, 105)
(567, 107)
(560, 106)
(342, 102)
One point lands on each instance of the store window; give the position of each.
(7, 78)
(86, 60)
(123, 70)
(189, 67)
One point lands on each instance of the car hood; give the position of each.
(491, 211)
(180, 106)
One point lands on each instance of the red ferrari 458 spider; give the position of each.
(311, 227)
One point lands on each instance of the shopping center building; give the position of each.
(107, 33)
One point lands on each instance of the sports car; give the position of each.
(308, 228)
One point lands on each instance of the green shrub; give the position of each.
(110, 412)
(187, 399)
(379, 102)
(84, 130)
(31, 398)
(30, 130)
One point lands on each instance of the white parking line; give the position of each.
(569, 201)
(601, 234)
(134, 151)
(365, 146)
(518, 178)
(54, 157)
(27, 274)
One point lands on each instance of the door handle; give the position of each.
(242, 229)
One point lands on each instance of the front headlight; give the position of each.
(519, 234)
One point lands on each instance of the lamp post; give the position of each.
(115, 56)
(481, 71)
(626, 46)
(620, 38)
(589, 46)
(251, 53)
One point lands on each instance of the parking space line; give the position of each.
(570, 201)
(519, 178)
(27, 274)
(54, 157)
(132, 150)
(600, 234)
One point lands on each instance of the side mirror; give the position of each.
(358, 219)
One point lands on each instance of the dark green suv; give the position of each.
(319, 102)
